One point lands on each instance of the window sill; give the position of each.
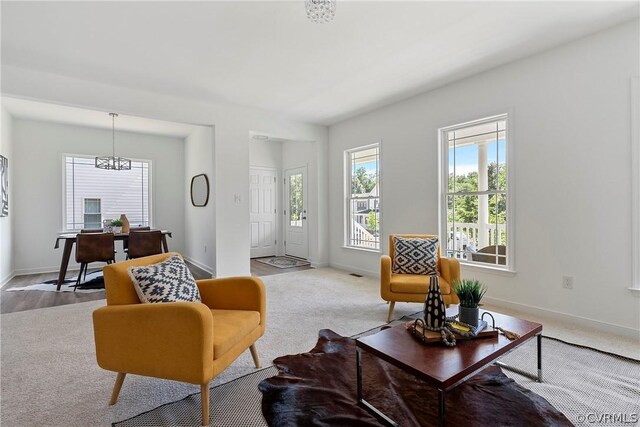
(635, 291)
(355, 248)
(488, 269)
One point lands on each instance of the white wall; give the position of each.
(570, 116)
(6, 223)
(200, 233)
(38, 184)
(268, 154)
(232, 127)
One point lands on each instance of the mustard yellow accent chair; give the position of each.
(413, 287)
(182, 341)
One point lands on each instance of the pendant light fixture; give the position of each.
(113, 162)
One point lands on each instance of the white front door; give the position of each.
(262, 211)
(295, 184)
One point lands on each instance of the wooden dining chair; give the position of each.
(144, 243)
(93, 247)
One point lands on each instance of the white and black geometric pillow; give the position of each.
(415, 255)
(167, 281)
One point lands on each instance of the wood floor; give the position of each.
(28, 300)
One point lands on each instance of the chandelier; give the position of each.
(113, 162)
(320, 11)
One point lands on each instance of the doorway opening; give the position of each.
(280, 202)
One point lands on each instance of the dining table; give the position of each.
(70, 239)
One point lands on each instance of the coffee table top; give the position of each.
(442, 366)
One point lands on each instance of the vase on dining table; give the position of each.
(125, 223)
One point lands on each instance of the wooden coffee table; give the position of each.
(441, 366)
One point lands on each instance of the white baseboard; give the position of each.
(352, 269)
(583, 321)
(41, 270)
(315, 264)
(7, 279)
(200, 265)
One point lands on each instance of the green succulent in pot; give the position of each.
(116, 223)
(470, 293)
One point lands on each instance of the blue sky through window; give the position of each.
(466, 157)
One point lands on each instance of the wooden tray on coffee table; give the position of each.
(435, 337)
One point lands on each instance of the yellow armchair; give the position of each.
(182, 341)
(413, 287)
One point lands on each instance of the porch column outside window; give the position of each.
(483, 200)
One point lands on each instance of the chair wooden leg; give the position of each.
(79, 279)
(116, 388)
(204, 396)
(392, 304)
(254, 354)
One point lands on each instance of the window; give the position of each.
(474, 204)
(92, 213)
(93, 195)
(363, 197)
(296, 203)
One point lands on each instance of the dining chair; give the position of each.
(93, 247)
(125, 242)
(144, 243)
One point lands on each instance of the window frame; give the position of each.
(443, 187)
(63, 178)
(635, 185)
(84, 211)
(348, 197)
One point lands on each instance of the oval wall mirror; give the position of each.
(200, 190)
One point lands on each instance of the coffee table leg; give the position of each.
(539, 336)
(441, 407)
(366, 405)
(534, 377)
(358, 375)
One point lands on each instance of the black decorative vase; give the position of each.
(434, 308)
(467, 315)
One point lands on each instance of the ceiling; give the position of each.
(267, 54)
(27, 109)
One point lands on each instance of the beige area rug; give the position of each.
(49, 375)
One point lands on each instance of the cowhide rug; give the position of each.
(319, 388)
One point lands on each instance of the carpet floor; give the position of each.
(579, 382)
(48, 369)
(49, 375)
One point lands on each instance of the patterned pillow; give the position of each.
(167, 281)
(415, 255)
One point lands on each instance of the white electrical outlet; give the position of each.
(567, 282)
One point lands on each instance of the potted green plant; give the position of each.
(117, 226)
(470, 293)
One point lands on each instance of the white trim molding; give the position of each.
(200, 265)
(3, 282)
(564, 317)
(635, 183)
